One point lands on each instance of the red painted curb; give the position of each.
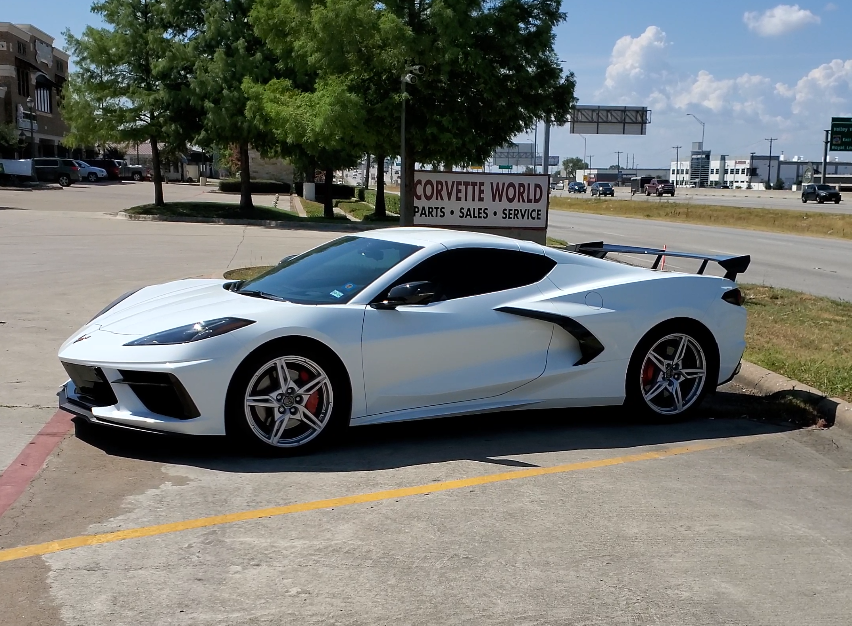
(20, 473)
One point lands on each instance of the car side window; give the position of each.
(468, 272)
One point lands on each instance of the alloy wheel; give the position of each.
(673, 374)
(288, 401)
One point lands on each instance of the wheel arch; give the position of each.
(686, 323)
(292, 342)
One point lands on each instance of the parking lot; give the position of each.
(739, 516)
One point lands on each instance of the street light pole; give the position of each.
(584, 151)
(32, 140)
(408, 78)
(702, 128)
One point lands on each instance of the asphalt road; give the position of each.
(741, 198)
(810, 264)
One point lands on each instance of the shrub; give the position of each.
(391, 200)
(232, 185)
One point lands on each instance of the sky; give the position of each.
(749, 69)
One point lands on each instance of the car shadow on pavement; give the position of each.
(486, 438)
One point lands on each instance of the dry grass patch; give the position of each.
(814, 224)
(804, 337)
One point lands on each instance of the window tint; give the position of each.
(69, 163)
(473, 271)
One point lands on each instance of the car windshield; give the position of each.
(825, 188)
(82, 164)
(333, 273)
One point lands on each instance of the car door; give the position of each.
(810, 192)
(45, 169)
(457, 348)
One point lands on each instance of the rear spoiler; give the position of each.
(732, 265)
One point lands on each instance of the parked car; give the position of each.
(725, 186)
(347, 333)
(133, 172)
(557, 186)
(577, 187)
(63, 171)
(659, 187)
(820, 193)
(602, 189)
(108, 165)
(90, 172)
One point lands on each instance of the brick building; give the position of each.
(31, 67)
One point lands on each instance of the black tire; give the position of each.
(92, 177)
(250, 378)
(647, 192)
(137, 176)
(642, 379)
(837, 201)
(659, 194)
(804, 199)
(820, 200)
(64, 180)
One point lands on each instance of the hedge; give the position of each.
(233, 185)
(391, 200)
(338, 192)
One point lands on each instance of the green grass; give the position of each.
(812, 223)
(391, 200)
(806, 338)
(315, 211)
(364, 212)
(222, 210)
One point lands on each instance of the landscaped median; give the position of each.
(811, 223)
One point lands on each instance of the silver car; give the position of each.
(90, 172)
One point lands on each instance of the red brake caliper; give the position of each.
(313, 399)
(648, 374)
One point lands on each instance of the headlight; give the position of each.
(192, 332)
(112, 304)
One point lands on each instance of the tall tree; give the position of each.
(229, 53)
(490, 67)
(131, 82)
(572, 164)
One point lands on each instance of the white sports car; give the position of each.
(401, 324)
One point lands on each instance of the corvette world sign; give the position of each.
(480, 200)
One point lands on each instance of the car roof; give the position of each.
(428, 237)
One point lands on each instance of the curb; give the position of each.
(835, 411)
(294, 225)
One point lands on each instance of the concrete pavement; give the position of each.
(810, 264)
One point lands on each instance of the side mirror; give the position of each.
(420, 292)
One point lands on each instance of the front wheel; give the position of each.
(137, 176)
(287, 400)
(820, 200)
(837, 201)
(670, 373)
(92, 177)
(804, 200)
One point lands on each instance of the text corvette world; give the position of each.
(477, 213)
(478, 191)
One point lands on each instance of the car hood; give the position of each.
(162, 307)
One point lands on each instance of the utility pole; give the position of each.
(618, 159)
(545, 158)
(825, 159)
(590, 160)
(677, 162)
(750, 170)
(771, 140)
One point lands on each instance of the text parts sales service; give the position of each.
(480, 200)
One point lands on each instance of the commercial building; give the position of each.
(754, 169)
(32, 72)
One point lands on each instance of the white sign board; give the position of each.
(480, 200)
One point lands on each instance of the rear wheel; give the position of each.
(64, 180)
(137, 176)
(285, 400)
(804, 199)
(671, 372)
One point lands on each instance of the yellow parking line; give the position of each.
(50, 547)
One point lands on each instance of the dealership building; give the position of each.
(32, 73)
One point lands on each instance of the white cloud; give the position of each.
(779, 20)
(827, 86)
(638, 59)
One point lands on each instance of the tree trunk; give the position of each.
(381, 212)
(367, 174)
(157, 174)
(245, 179)
(407, 216)
(328, 204)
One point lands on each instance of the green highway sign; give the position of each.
(841, 134)
(505, 167)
